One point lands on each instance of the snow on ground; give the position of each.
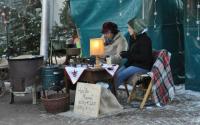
(183, 110)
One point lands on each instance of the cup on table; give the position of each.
(108, 60)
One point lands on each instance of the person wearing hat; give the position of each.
(114, 42)
(139, 55)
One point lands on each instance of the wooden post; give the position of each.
(44, 30)
(34, 94)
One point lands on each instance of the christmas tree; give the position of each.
(20, 28)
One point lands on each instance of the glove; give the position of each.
(124, 54)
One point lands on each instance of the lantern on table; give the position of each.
(97, 49)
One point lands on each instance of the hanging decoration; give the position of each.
(143, 9)
(187, 20)
(197, 20)
(120, 13)
(188, 17)
(155, 14)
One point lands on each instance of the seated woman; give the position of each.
(139, 54)
(114, 42)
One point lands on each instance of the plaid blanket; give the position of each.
(163, 85)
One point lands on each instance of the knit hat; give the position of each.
(109, 27)
(138, 25)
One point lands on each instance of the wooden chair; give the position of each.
(144, 81)
(144, 85)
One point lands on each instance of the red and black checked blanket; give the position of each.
(163, 85)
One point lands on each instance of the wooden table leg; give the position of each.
(43, 93)
(113, 87)
(66, 82)
(12, 98)
(38, 95)
(34, 97)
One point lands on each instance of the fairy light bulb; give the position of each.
(3, 14)
(188, 5)
(198, 6)
(197, 22)
(198, 38)
(187, 20)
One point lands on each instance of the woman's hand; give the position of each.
(123, 54)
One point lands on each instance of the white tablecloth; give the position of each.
(74, 73)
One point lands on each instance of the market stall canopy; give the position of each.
(165, 25)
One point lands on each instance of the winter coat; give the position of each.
(113, 50)
(139, 53)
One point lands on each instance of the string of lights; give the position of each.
(155, 13)
(197, 20)
(187, 20)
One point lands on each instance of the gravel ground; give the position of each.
(184, 110)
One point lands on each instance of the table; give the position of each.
(93, 76)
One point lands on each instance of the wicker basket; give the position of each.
(56, 103)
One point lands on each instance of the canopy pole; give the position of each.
(44, 30)
(143, 9)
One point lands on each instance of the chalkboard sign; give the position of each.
(87, 99)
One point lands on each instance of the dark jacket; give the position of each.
(139, 53)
